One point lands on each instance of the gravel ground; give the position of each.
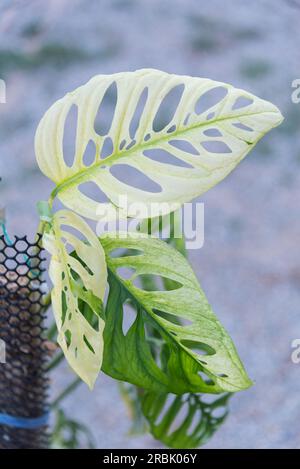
(249, 264)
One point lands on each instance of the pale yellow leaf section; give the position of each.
(74, 280)
(232, 129)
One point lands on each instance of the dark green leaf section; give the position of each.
(186, 421)
(197, 355)
(183, 421)
(128, 357)
(140, 359)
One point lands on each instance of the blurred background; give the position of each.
(249, 265)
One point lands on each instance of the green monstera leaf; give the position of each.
(79, 283)
(213, 127)
(199, 355)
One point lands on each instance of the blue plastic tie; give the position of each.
(24, 422)
(6, 236)
(11, 243)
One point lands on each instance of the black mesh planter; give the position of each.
(23, 380)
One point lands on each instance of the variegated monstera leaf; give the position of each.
(199, 145)
(79, 283)
(196, 354)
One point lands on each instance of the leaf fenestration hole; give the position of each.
(65, 229)
(69, 136)
(135, 121)
(219, 412)
(195, 422)
(200, 348)
(106, 110)
(184, 145)
(89, 314)
(210, 116)
(167, 404)
(179, 418)
(163, 156)
(186, 119)
(167, 108)
(153, 282)
(125, 272)
(240, 125)
(119, 252)
(87, 343)
(212, 132)
(129, 316)
(89, 155)
(68, 247)
(208, 399)
(63, 306)
(107, 148)
(171, 129)
(173, 318)
(205, 378)
(93, 191)
(68, 337)
(216, 146)
(131, 144)
(241, 102)
(210, 98)
(135, 178)
(122, 144)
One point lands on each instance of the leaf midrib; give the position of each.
(83, 175)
